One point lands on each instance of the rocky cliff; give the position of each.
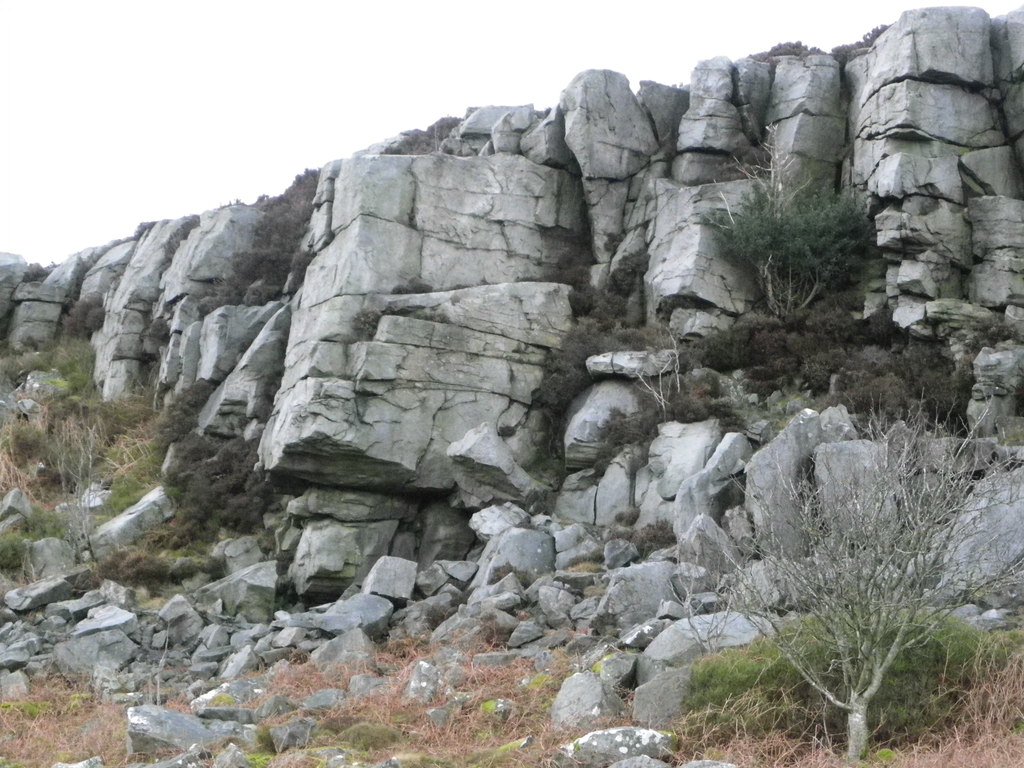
(437, 283)
(396, 387)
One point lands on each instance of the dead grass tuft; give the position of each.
(57, 721)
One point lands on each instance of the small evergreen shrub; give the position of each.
(12, 552)
(84, 318)
(653, 537)
(179, 418)
(800, 244)
(135, 567)
(277, 242)
(215, 485)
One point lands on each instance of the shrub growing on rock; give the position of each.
(800, 240)
(278, 241)
(215, 485)
(84, 318)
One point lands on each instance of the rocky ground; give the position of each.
(481, 393)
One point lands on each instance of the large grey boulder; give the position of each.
(121, 347)
(157, 729)
(589, 416)
(391, 577)
(525, 552)
(424, 382)
(105, 618)
(481, 121)
(704, 543)
(486, 469)
(109, 649)
(661, 699)
(846, 475)
(600, 749)
(248, 391)
(992, 171)
(685, 263)
(991, 532)
(997, 241)
(181, 621)
(805, 85)
(666, 105)
(633, 595)
(949, 113)
(632, 364)
(50, 557)
(249, 594)
(544, 143)
(331, 555)
(15, 508)
(36, 316)
(772, 477)
(368, 613)
(224, 336)
(151, 511)
(206, 257)
(496, 519)
(239, 553)
(616, 488)
(606, 128)
(713, 489)
(209, 349)
(681, 451)
(917, 47)
(688, 639)
(903, 174)
(42, 592)
(350, 506)
(107, 269)
(712, 124)
(12, 269)
(583, 701)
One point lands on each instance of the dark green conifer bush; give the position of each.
(800, 244)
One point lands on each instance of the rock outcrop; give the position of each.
(397, 394)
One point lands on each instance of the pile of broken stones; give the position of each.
(632, 624)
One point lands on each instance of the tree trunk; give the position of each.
(856, 730)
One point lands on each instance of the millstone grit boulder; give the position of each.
(583, 701)
(331, 555)
(157, 729)
(605, 126)
(121, 353)
(380, 415)
(599, 749)
(249, 593)
(148, 513)
(772, 474)
(485, 468)
(109, 649)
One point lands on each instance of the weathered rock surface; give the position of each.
(599, 749)
(145, 515)
(605, 127)
(772, 475)
(583, 701)
(155, 729)
(121, 345)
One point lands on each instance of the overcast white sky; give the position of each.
(114, 112)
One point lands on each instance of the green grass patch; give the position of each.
(755, 691)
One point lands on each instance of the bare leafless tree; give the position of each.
(894, 531)
(78, 445)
